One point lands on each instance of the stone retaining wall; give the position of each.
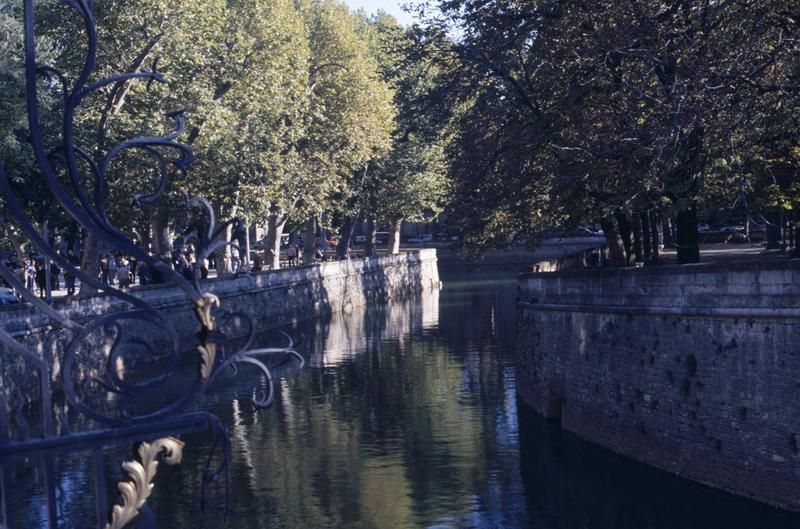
(695, 370)
(272, 298)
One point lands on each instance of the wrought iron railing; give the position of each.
(108, 390)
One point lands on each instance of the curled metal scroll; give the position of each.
(125, 366)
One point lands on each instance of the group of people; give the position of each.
(294, 255)
(119, 270)
(184, 261)
(32, 274)
(124, 271)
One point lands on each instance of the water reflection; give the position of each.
(406, 416)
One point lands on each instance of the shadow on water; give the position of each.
(406, 416)
(571, 484)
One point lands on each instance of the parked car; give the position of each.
(261, 245)
(731, 229)
(703, 227)
(590, 231)
(421, 239)
(7, 296)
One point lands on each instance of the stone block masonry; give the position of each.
(694, 370)
(274, 299)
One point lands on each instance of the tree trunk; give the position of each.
(370, 245)
(616, 249)
(394, 236)
(647, 236)
(247, 249)
(147, 235)
(688, 244)
(310, 241)
(18, 244)
(89, 263)
(275, 224)
(162, 236)
(222, 257)
(636, 227)
(773, 230)
(655, 236)
(667, 231)
(625, 231)
(795, 236)
(343, 248)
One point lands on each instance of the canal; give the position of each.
(406, 416)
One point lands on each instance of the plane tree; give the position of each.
(596, 112)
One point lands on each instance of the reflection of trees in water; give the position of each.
(472, 313)
(400, 421)
(390, 426)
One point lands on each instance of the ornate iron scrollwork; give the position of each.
(108, 396)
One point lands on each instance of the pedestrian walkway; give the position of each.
(726, 253)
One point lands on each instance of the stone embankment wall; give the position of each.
(549, 255)
(273, 299)
(695, 370)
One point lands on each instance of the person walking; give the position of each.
(30, 275)
(55, 271)
(69, 283)
(41, 279)
(104, 268)
(143, 271)
(123, 275)
(113, 266)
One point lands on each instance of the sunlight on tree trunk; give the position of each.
(655, 236)
(370, 236)
(89, 264)
(616, 249)
(394, 236)
(275, 224)
(223, 255)
(162, 236)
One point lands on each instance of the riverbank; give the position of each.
(691, 369)
(273, 299)
(517, 259)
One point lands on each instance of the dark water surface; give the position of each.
(407, 416)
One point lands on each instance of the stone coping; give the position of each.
(750, 265)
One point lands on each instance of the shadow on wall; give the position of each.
(581, 485)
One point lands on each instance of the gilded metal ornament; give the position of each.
(108, 396)
(135, 492)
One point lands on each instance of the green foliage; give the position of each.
(287, 103)
(409, 180)
(566, 113)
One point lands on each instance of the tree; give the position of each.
(588, 112)
(352, 114)
(16, 154)
(408, 180)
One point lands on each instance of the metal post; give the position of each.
(48, 288)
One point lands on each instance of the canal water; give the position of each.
(406, 416)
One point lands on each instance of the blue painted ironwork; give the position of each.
(111, 396)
